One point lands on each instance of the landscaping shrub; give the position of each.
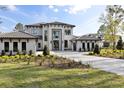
(30, 52)
(5, 58)
(42, 60)
(120, 44)
(53, 61)
(46, 51)
(3, 52)
(96, 49)
(24, 52)
(18, 52)
(10, 53)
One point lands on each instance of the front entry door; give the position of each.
(56, 45)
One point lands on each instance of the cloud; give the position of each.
(12, 7)
(54, 8)
(76, 9)
(51, 6)
(8, 19)
(8, 7)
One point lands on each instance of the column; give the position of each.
(62, 42)
(43, 37)
(90, 43)
(85, 45)
(19, 46)
(10, 45)
(50, 38)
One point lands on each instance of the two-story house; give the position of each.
(56, 35)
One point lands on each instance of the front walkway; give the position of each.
(106, 64)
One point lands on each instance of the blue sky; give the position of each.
(85, 18)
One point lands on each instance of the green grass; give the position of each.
(22, 75)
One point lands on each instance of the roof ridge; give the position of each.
(27, 33)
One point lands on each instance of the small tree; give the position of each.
(120, 44)
(30, 52)
(46, 51)
(3, 52)
(96, 49)
(18, 52)
(24, 52)
(10, 53)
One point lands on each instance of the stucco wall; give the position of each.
(30, 44)
(40, 31)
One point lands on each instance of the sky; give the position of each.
(85, 18)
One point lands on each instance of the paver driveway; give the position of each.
(106, 64)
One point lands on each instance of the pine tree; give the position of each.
(46, 51)
(96, 49)
(120, 44)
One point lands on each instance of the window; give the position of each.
(67, 32)
(83, 46)
(34, 31)
(15, 46)
(39, 45)
(88, 46)
(45, 35)
(23, 46)
(6, 46)
(92, 45)
(66, 43)
(55, 34)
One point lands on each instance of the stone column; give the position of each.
(2, 45)
(90, 44)
(85, 45)
(19, 46)
(62, 36)
(50, 38)
(10, 45)
(43, 37)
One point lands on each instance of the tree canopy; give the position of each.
(112, 21)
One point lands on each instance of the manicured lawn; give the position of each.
(23, 75)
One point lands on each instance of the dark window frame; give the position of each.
(45, 35)
(6, 46)
(15, 46)
(39, 45)
(67, 32)
(24, 46)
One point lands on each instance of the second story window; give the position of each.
(45, 35)
(55, 34)
(67, 32)
(34, 31)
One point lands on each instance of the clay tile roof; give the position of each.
(18, 34)
(88, 37)
(54, 23)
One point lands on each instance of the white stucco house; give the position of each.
(86, 42)
(57, 36)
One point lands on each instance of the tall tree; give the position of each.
(112, 20)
